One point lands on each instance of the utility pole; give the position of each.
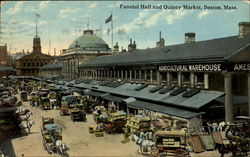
(49, 48)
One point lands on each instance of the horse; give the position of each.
(28, 125)
(25, 117)
(60, 145)
(143, 144)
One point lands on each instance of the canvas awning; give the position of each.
(94, 93)
(113, 98)
(177, 112)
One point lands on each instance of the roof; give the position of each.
(89, 42)
(215, 50)
(6, 68)
(128, 90)
(52, 66)
(172, 111)
(34, 55)
(114, 98)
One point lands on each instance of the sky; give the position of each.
(61, 22)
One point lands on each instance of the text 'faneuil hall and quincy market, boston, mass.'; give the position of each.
(178, 7)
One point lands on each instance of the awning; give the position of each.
(94, 93)
(163, 109)
(194, 102)
(113, 98)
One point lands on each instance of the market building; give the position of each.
(30, 64)
(51, 70)
(204, 70)
(81, 50)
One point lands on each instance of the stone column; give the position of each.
(151, 76)
(168, 79)
(111, 75)
(158, 77)
(192, 80)
(249, 94)
(108, 75)
(206, 81)
(97, 74)
(145, 75)
(140, 76)
(179, 79)
(118, 74)
(229, 110)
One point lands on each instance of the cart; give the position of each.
(170, 143)
(77, 115)
(24, 96)
(68, 102)
(52, 137)
(45, 103)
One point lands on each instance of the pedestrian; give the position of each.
(214, 126)
(209, 126)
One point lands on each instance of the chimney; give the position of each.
(134, 46)
(88, 32)
(244, 28)
(54, 51)
(130, 46)
(189, 38)
(161, 42)
(116, 48)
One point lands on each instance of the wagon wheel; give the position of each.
(181, 153)
(154, 152)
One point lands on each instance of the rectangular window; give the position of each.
(186, 77)
(200, 78)
(128, 74)
(174, 77)
(154, 75)
(163, 76)
(148, 75)
(133, 74)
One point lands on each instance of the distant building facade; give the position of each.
(4, 58)
(30, 64)
(81, 50)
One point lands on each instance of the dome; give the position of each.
(89, 42)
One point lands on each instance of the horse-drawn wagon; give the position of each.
(52, 137)
(170, 142)
(238, 134)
